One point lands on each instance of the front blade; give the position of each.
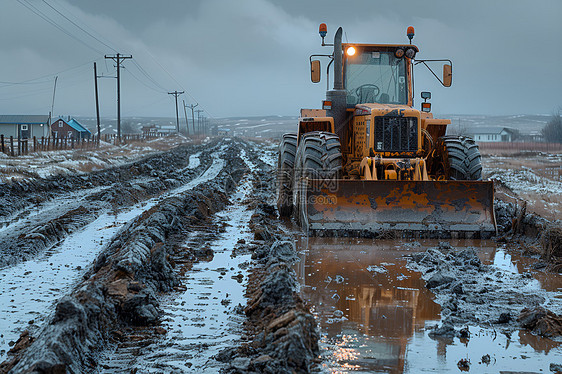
(375, 207)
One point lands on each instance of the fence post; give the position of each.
(34, 144)
(72, 142)
(12, 146)
(2, 141)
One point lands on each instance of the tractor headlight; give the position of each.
(410, 53)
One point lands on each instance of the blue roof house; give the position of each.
(71, 129)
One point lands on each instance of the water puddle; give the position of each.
(374, 313)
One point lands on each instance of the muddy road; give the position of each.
(178, 262)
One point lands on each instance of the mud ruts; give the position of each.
(128, 184)
(282, 335)
(120, 289)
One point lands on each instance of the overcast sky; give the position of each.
(250, 57)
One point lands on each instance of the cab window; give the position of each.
(375, 77)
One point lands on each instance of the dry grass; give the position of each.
(551, 241)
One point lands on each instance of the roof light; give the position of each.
(410, 33)
(350, 51)
(323, 30)
(410, 53)
(399, 53)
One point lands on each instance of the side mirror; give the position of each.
(315, 71)
(447, 75)
(426, 95)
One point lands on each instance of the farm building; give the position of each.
(492, 134)
(71, 130)
(23, 126)
(151, 130)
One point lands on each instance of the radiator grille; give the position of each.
(396, 134)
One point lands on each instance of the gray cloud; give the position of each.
(250, 57)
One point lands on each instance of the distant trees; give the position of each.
(127, 127)
(552, 131)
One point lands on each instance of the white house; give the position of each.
(492, 134)
(24, 126)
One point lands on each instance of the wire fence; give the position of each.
(516, 147)
(20, 147)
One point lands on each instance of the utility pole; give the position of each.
(185, 113)
(97, 102)
(199, 118)
(118, 58)
(193, 117)
(176, 94)
(51, 113)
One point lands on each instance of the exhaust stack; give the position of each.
(338, 95)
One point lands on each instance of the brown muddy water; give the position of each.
(375, 314)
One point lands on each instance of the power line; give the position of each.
(143, 83)
(148, 76)
(53, 23)
(50, 20)
(49, 76)
(93, 30)
(75, 24)
(174, 79)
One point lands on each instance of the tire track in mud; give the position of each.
(44, 212)
(32, 286)
(52, 275)
(206, 316)
(201, 320)
(120, 290)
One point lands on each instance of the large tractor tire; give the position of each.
(319, 157)
(285, 170)
(456, 158)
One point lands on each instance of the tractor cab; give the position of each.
(377, 74)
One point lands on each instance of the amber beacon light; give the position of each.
(323, 30)
(410, 33)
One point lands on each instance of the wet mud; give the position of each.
(120, 288)
(280, 332)
(205, 278)
(408, 306)
(39, 213)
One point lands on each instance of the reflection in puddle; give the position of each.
(373, 311)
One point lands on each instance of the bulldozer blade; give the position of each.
(372, 208)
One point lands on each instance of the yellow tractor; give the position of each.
(369, 163)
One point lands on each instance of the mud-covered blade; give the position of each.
(380, 206)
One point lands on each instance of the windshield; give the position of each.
(376, 77)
